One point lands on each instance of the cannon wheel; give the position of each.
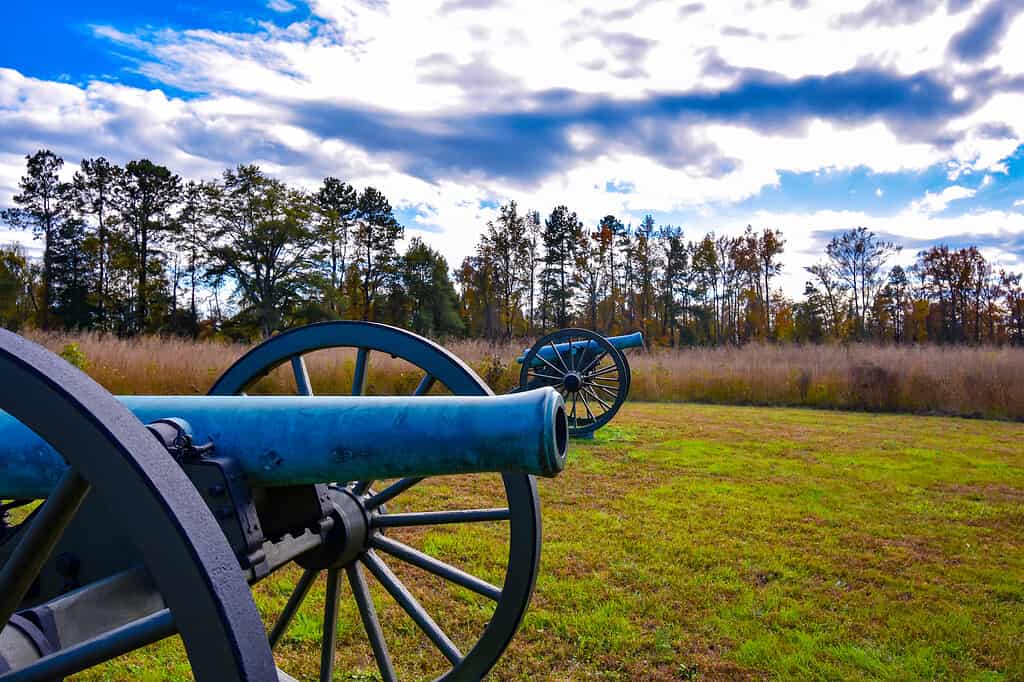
(522, 513)
(594, 384)
(114, 459)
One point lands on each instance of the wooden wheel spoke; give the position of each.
(540, 357)
(606, 389)
(78, 657)
(550, 380)
(593, 363)
(40, 537)
(291, 608)
(603, 371)
(426, 383)
(586, 405)
(359, 374)
(439, 568)
(391, 492)
(371, 623)
(301, 374)
(596, 397)
(561, 361)
(362, 487)
(412, 607)
(441, 517)
(330, 632)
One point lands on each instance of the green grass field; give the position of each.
(695, 542)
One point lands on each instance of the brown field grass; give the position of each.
(963, 381)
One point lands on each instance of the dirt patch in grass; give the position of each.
(988, 492)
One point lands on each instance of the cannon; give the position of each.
(156, 515)
(589, 370)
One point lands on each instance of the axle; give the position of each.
(588, 348)
(284, 441)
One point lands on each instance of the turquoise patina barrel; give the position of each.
(634, 340)
(283, 441)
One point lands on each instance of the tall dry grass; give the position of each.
(965, 381)
(976, 382)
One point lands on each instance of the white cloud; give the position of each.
(909, 228)
(936, 202)
(438, 71)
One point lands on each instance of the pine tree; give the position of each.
(560, 235)
(675, 258)
(769, 246)
(95, 186)
(43, 207)
(645, 265)
(505, 246)
(335, 203)
(71, 269)
(706, 269)
(534, 245)
(191, 236)
(588, 273)
(146, 193)
(625, 245)
(432, 297)
(609, 231)
(376, 233)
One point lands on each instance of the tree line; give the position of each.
(530, 274)
(136, 249)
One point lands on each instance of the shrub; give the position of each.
(72, 352)
(874, 388)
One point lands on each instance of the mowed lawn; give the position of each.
(698, 542)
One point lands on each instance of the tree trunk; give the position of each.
(143, 249)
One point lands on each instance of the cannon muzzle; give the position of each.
(282, 441)
(634, 340)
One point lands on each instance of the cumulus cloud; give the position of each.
(936, 202)
(999, 234)
(450, 106)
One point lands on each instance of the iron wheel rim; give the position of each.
(183, 547)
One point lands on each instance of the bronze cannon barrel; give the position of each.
(281, 441)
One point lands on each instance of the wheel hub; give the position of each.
(572, 382)
(349, 537)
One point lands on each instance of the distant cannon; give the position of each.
(590, 371)
(583, 350)
(151, 530)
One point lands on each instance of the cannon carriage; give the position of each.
(589, 370)
(158, 514)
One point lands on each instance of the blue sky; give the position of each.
(812, 117)
(56, 40)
